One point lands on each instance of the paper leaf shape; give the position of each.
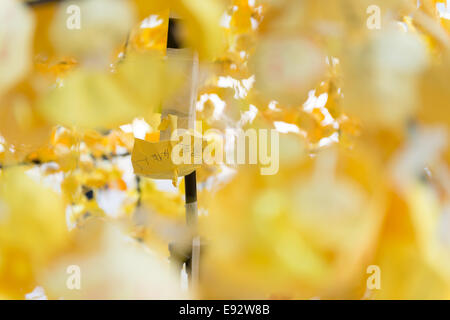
(154, 160)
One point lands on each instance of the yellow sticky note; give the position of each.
(154, 159)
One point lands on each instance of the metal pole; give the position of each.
(189, 253)
(192, 222)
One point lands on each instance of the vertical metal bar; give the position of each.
(190, 182)
(192, 222)
(193, 252)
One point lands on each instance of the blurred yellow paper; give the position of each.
(111, 267)
(93, 30)
(32, 230)
(89, 99)
(96, 99)
(203, 26)
(286, 68)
